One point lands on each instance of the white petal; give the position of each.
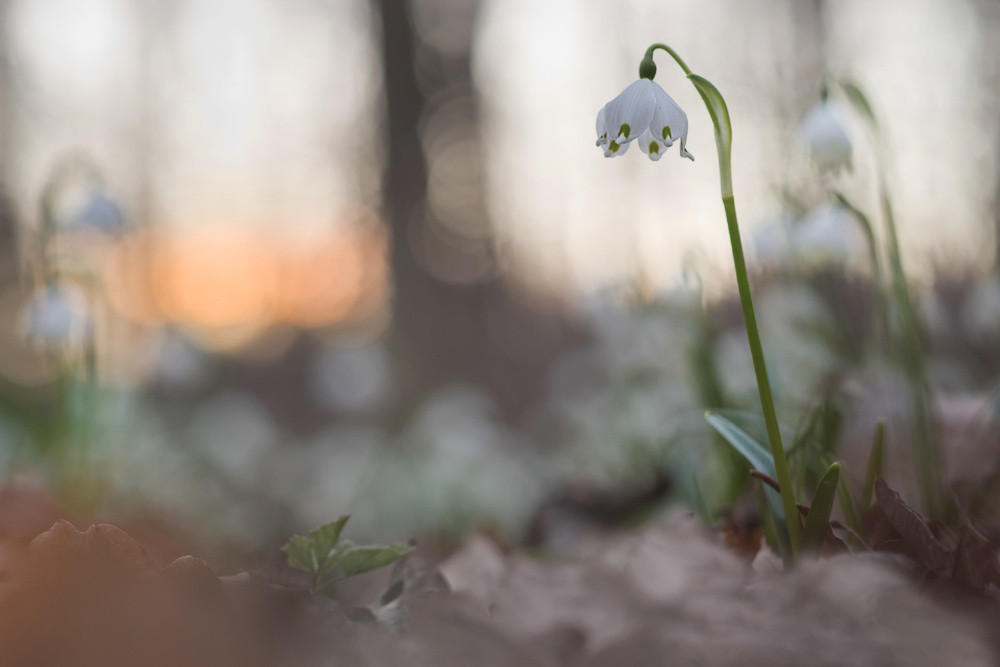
(650, 146)
(669, 122)
(602, 128)
(629, 114)
(824, 136)
(684, 150)
(58, 315)
(614, 149)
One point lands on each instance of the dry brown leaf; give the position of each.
(975, 559)
(892, 525)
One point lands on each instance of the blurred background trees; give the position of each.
(327, 245)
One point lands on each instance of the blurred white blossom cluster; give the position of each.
(795, 327)
(623, 400)
(826, 235)
(455, 468)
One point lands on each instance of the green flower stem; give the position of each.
(877, 274)
(647, 68)
(929, 459)
(719, 112)
(909, 349)
(763, 382)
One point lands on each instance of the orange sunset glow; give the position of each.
(222, 278)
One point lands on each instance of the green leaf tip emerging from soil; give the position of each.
(818, 519)
(323, 553)
(876, 461)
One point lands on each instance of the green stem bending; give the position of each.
(719, 112)
(763, 382)
(647, 68)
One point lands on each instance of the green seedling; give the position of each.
(328, 559)
(876, 461)
(818, 519)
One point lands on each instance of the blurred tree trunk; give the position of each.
(453, 319)
(9, 264)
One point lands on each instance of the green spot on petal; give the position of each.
(625, 129)
(666, 132)
(614, 147)
(654, 147)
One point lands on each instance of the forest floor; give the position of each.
(671, 593)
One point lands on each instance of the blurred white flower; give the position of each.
(825, 138)
(645, 112)
(98, 212)
(236, 433)
(179, 362)
(793, 319)
(456, 467)
(829, 233)
(772, 241)
(58, 315)
(981, 310)
(322, 476)
(353, 379)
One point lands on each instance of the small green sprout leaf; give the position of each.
(323, 552)
(875, 464)
(818, 519)
(848, 506)
(299, 552)
(326, 537)
(357, 560)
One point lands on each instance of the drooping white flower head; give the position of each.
(828, 234)
(825, 138)
(98, 212)
(645, 112)
(58, 316)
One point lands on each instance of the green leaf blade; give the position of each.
(326, 537)
(876, 461)
(299, 552)
(755, 453)
(358, 560)
(859, 100)
(719, 112)
(818, 519)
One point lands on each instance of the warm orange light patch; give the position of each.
(215, 279)
(321, 285)
(219, 280)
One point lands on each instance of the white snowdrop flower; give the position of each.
(645, 112)
(100, 213)
(58, 316)
(829, 233)
(825, 138)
